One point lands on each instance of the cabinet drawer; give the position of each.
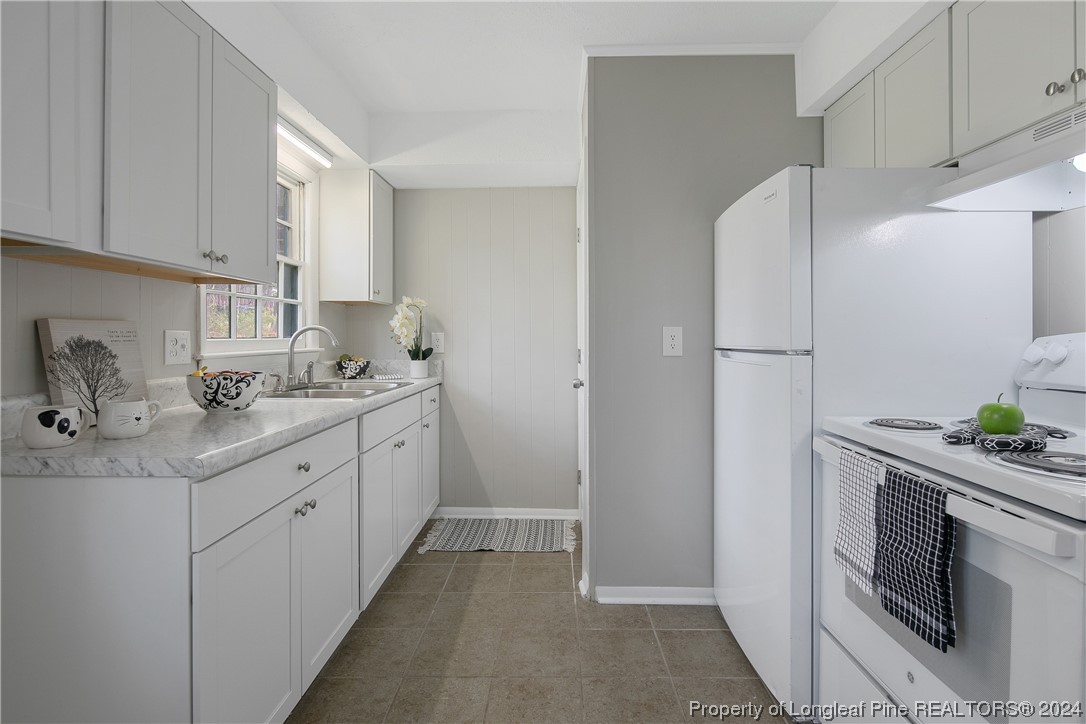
(228, 501)
(381, 424)
(431, 400)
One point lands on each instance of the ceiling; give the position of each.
(487, 93)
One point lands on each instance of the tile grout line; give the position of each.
(667, 666)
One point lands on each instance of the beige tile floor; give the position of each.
(503, 637)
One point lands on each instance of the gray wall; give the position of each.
(672, 143)
(498, 269)
(1059, 272)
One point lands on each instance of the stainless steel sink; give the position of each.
(374, 385)
(337, 390)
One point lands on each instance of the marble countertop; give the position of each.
(189, 443)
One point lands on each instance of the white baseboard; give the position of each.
(559, 513)
(675, 596)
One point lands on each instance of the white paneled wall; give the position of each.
(498, 268)
(32, 290)
(1059, 272)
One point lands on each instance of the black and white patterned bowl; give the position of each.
(226, 391)
(352, 370)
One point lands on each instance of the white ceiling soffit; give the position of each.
(469, 94)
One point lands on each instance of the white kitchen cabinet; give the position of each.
(356, 259)
(190, 145)
(243, 166)
(52, 119)
(379, 553)
(406, 472)
(273, 599)
(1006, 56)
(431, 461)
(912, 101)
(848, 128)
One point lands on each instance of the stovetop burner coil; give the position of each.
(905, 423)
(1063, 463)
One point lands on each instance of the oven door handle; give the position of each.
(984, 517)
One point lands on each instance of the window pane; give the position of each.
(218, 316)
(269, 290)
(269, 320)
(282, 240)
(290, 282)
(246, 318)
(245, 288)
(282, 202)
(290, 319)
(218, 287)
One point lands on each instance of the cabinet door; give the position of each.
(848, 128)
(912, 101)
(381, 236)
(431, 463)
(406, 468)
(1004, 56)
(247, 623)
(158, 133)
(329, 566)
(243, 166)
(1080, 49)
(52, 119)
(378, 525)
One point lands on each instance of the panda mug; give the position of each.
(121, 420)
(47, 426)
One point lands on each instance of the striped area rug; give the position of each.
(530, 535)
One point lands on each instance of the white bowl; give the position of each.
(226, 391)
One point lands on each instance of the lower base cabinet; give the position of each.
(379, 553)
(431, 463)
(272, 600)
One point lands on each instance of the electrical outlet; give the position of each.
(673, 341)
(177, 347)
(437, 341)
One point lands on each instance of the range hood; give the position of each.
(1030, 171)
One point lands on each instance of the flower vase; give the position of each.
(420, 369)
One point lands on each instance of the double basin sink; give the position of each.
(337, 390)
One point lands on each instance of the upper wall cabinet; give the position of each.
(912, 101)
(52, 121)
(1013, 63)
(848, 128)
(355, 237)
(190, 145)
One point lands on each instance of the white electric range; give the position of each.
(1019, 567)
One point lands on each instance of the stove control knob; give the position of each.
(1033, 354)
(1056, 353)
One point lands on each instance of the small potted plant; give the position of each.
(407, 332)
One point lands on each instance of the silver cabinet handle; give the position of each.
(223, 259)
(313, 504)
(302, 511)
(1078, 75)
(376, 292)
(398, 444)
(305, 466)
(578, 383)
(426, 425)
(220, 258)
(1053, 88)
(433, 399)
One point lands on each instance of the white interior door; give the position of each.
(762, 513)
(582, 367)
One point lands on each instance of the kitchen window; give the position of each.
(239, 318)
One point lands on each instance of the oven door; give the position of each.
(1019, 608)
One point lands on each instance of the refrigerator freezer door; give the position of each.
(762, 513)
(763, 266)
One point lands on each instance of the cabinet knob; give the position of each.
(426, 425)
(1078, 75)
(305, 466)
(1053, 88)
(312, 503)
(578, 384)
(376, 292)
(433, 399)
(303, 510)
(220, 258)
(223, 259)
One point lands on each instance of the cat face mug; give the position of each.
(122, 420)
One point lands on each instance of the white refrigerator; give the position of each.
(839, 292)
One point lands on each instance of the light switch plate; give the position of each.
(673, 341)
(437, 341)
(177, 347)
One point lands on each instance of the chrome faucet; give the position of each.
(291, 379)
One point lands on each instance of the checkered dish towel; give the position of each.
(855, 548)
(916, 546)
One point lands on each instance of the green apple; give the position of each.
(1001, 418)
